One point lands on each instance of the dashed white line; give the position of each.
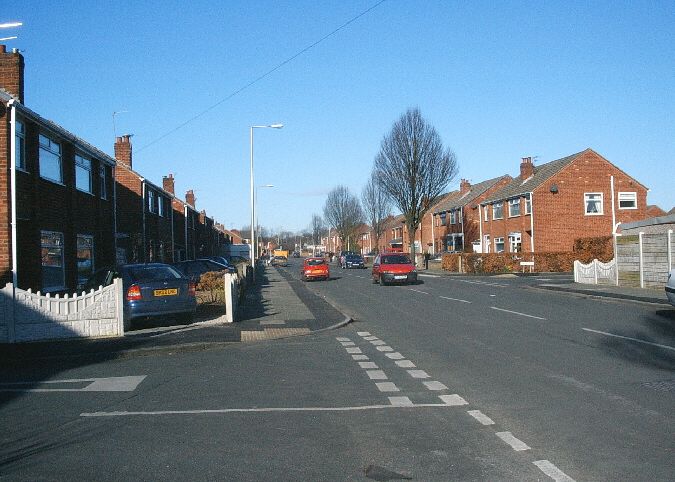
(342, 338)
(453, 400)
(376, 374)
(394, 356)
(517, 313)
(354, 350)
(418, 374)
(433, 385)
(370, 338)
(552, 471)
(360, 357)
(418, 291)
(636, 340)
(517, 445)
(347, 343)
(384, 348)
(481, 417)
(482, 283)
(401, 401)
(387, 387)
(428, 275)
(405, 364)
(378, 342)
(455, 299)
(368, 364)
(363, 333)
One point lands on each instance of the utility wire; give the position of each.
(261, 77)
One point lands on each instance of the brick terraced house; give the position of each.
(548, 206)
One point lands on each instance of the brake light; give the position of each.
(134, 293)
(192, 288)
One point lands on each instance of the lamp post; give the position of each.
(257, 224)
(252, 240)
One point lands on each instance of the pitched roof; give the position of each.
(541, 174)
(456, 199)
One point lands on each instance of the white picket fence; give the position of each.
(595, 272)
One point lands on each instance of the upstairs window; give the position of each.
(20, 145)
(627, 200)
(104, 182)
(443, 220)
(593, 202)
(528, 204)
(485, 209)
(50, 159)
(453, 217)
(514, 207)
(497, 210)
(83, 181)
(151, 200)
(160, 206)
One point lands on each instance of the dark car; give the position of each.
(353, 261)
(393, 268)
(153, 289)
(195, 268)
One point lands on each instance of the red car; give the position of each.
(393, 268)
(314, 268)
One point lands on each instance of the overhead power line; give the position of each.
(261, 77)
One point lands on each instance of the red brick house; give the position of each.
(456, 217)
(548, 206)
(57, 196)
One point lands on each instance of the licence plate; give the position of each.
(167, 292)
(317, 271)
(400, 277)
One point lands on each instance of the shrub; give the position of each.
(212, 286)
(588, 249)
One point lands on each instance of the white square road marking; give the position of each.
(481, 417)
(363, 333)
(378, 342)
(368, 364)
(360, 357)
(552, 471)
(384, 348)
(354, 350)
(418, 374)
(394, 356)
(435, 386)
(453, 400)
(401, 401)
(370, 338)
(387, 387)
(342, 338)
(347, 343)
(376, 374)
(405, 364)
(517, 445)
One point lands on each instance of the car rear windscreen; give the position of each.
(153, 273)
(400, 259)
(315, 262)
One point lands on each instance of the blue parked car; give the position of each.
(150, 290)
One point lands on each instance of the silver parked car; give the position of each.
(670, 287)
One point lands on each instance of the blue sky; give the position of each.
(498, 80)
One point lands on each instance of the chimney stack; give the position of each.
(190, 198)
(168, 184)
(11, 72)
(123, 150)
(464, 186)
(526, 168)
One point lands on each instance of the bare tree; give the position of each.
(316, 228)
(343, 211)
(376, 207)
(413, 168)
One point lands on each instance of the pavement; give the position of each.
(276, 306)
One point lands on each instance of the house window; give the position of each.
(160, 206)
(53, 275)
(50, 159)
(593, 201)
(486, 243)
(454, 242)
(528, 204)
(497, 210)
(83, 174)
(443, 219)
(514, 207)
(485, 209)
(627, 200)
(85, 257)
(515, 243)
(453, 217)
(151, 201)
(499, 245)
(104, 182)
(20, 145)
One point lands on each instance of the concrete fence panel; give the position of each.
(644, 260)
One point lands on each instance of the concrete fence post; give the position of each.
(595, 270)
(670, 249)
(642, 268)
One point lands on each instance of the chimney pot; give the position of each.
(123, 150)
(526, 168)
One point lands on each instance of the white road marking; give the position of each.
(370, 338)
(110, 384)
(363, 333)
(418, 373)
(262, 410)
(401, 401)
(394, 356)
(453, 400)
(637, 340)
(368, 364)
(483, 283)
(384, 348)
(481, 417)
(428, 275)
(347, 343)
(387, 387)
(378, 342)
(552, 471)
(517, 313)
(515, 444)
(455, 299)
(354, 350)
(405, 364)
(433, 385)
(342, 338)
(360, 357)
(418, 291)
(376, 374)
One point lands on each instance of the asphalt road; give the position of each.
(450, 379)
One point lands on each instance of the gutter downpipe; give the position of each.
(461, 220)
(185, 217)
(173, 236)
(480, 228)
(433, 237)
(12, 155)
(145, 248)
(532, 224)
(114, 173)
(611, 186)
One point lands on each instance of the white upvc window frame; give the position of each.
(498, 241)
(83, 172)
(486, 215)
(103, 179)
(514, 203)
(515, 242)
(160, 205)
(20, 145)
(48, 251)
(501, 210)
(630, 196)
(152, 207)
(588, 198)
(453, 217)
(52, 153)
(528, 205)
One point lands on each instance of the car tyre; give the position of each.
(374, 280)
(382, 282)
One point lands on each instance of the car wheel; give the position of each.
(382, 282)
(373, 279)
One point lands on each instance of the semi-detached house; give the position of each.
(548, 206)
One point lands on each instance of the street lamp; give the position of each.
(257, 225)
(252, 240)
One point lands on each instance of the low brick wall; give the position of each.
(27, 316)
